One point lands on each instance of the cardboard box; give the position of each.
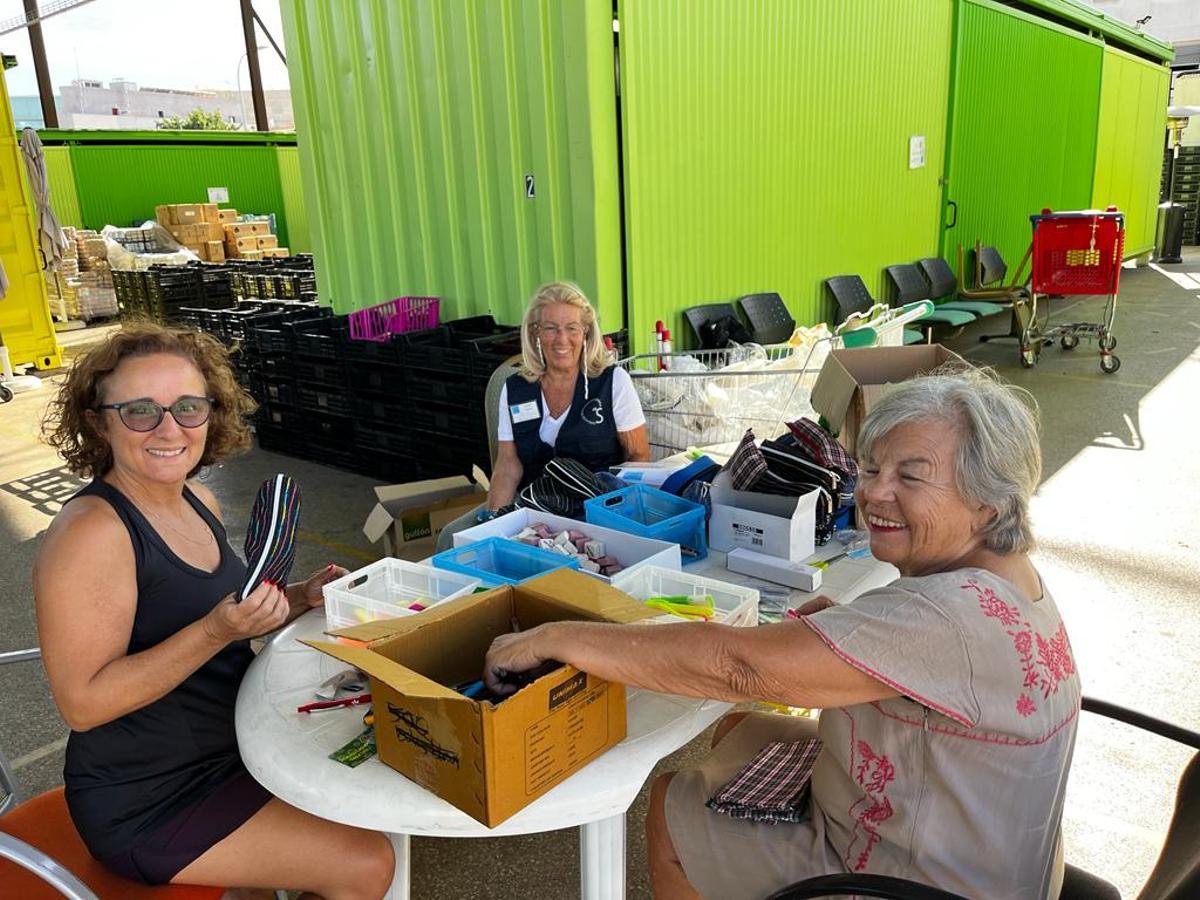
(489, 760)
(766, 523)
(187, 213)
(244, 243)
(852, 381)
(267, 242)
(250, 254)
(226, 215)
(209, 213)
(772, 568)
(244, 229)
(215, 231)
(214, 251)
(409, 516)
(190, 234)
(162, 215)
(276, 253)
(631, 551)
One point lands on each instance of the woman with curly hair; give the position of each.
(144, 645)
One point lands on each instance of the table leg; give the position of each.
(602, 859)
(400, 879)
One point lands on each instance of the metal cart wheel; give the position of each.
(1108, 342)
(1028, 357)
(1069, 341)
(6, 393)
(1109, 363)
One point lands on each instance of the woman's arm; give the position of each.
(506, 475)
(785, 663)
(635, 444)
(85, 590)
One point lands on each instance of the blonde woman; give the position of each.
(565, 401)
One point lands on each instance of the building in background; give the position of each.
(27, 112)
(124, 105)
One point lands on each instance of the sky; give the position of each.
(155, 43)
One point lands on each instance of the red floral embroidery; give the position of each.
(1050, 666)
(873, 772)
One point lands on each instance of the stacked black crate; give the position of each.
(1187, 191)
(376, 371)
(445, 380)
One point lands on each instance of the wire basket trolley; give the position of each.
(1075, 253)
(704, 397)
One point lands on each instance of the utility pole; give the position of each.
(45, 88)
(256, 88)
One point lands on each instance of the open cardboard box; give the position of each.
(489, 760)
(765, 523)
(409, 517)
(852, 381)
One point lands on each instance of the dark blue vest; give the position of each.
(588, 434)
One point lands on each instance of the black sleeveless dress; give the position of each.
(140, 789)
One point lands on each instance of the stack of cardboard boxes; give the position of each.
(95, 297)
(215, 234)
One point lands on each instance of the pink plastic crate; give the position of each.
(376, 323)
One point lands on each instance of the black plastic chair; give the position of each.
(698, 316)
(1175, 876)
(909, 286)
(770, 321)
(850, 295)
(943, 283)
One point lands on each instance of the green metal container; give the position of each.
(1129, 142)
(460, 149)
(1023, 124)
(769, 151)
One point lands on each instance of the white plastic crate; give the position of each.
(385, 589)
(735, 605)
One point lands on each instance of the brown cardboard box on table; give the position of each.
(266, 242)
(851, 381)
(409, 517)
(214, 251)
(245, 242)
(489, 760)
(226, 215)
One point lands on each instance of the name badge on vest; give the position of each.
(523, 412)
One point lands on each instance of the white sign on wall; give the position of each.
(916, 151)
(218, 195)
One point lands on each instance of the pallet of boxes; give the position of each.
(197, 226)
(252, 240)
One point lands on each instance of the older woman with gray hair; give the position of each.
(949, 697)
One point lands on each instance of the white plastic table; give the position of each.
(287, 753)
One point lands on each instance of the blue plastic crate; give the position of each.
(496, 561)
(652, 513)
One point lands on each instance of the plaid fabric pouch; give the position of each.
(823, 447)
(772, 787)
(747, 464)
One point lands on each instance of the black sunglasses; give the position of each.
(146, 415)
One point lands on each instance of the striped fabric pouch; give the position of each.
(271, 535)
(773, 787)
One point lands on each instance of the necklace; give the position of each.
(208, 535)
(207, 540)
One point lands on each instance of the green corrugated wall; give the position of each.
(60, 176)
(1129, 143)
(120, 184)
(299, 238)
(1026, 97)
(418, 123)
(767, 151)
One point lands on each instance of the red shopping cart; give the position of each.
(1075, 253)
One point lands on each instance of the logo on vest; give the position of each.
(593, 412)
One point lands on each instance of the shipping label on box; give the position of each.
(851, 381)
(766, 523)
(488, 759)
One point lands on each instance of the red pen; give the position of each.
(334, 704)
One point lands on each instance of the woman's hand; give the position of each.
(816, 604)
(304, 595)
(511, 653)
(263, 611)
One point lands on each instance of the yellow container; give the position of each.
(25, 322)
